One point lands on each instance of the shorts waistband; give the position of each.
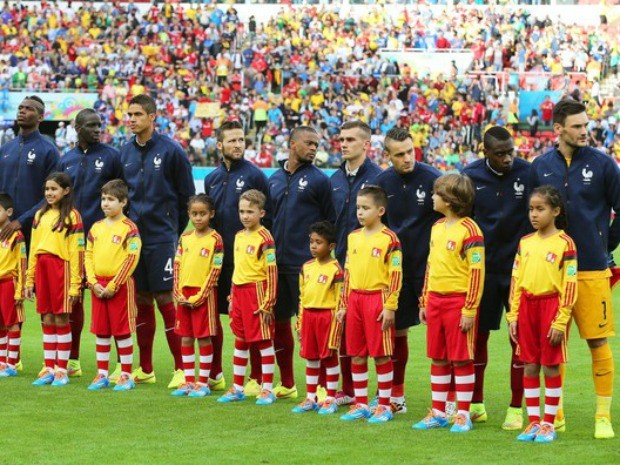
(448, 295)
(528, 296)
(6, 279)
(367, 292)
(246, 285)
(314, 309)
(104, 279)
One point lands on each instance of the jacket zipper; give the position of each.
(19, 168)
(83, 173)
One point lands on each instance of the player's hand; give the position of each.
(9, 229)
(107, 293)
(340, 314)
(467, 323)
(387, 316)
(98, 290)
(19, 302)
(555, 337)
(512, 329)
(29, 293)
(423, 316)
(267, 316)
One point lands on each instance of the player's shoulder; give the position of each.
(98, 225)
(309, 263)
(48, 144)
(439, 222)
(129, 224)
(187, 234)
(70, 157)
(519, 164)
(355, 232)
(217, 236)
(75, 216)
(474, 168)
(471, 226)
(391, 235)
(570, 243)
(386, 174)
(265, 235)
(428, 170)
(527, 238)
(109, 150)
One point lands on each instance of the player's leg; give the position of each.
(553, 392)
(603, 375)
(514, 414)
(165, 304)
(4, 347)
(102, 353)
(332, 372)
(205, 350)
(286, 306)
(240, 363)
(531, 384)
(13, 348)
(50, 343)
(76, 321)
(189, 363)
(63, 348)
(145, 335)
(310, 335)
(216, 377)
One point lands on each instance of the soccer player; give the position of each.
(160, 181)
(300, 195)
(252, 297)
(112, 254)
(410, 214)
(320, 291)
(373, 279)
(591, 181)
(356, 171)
(501, 184)
(13, 268)
(450, 300)
(197, 268)
(25, 163)
(90, 165)
(224, 185)
(543, 291)
(55, 267)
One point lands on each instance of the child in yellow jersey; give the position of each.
(450, 299)
(320, 291)
(197, 267)
(373, 278)
(55, 267)
(112, 254)
(12, 278)
(253, 295)
(543, 292)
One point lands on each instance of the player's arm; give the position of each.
(268, 255)
(217, 258)
(300, 311)
(394, 260)
(32, 257)
(262, 184)
(76, 254)
(473, 249)
(612, 194)
(51, 162)
(19, 249)
(328, 211)
(533, 177)
(568, 293)
(89, 264)
(176, 273)
(515, 289)
(184, 184)
(132, 246)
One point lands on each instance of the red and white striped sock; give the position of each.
(464, 381)
(385, 376)
(359, 373)
(332, 373)
(268, 361)
(553, 392)
(4, 346)
(124, 345)
(63, 349)
(189, 363)
(441, 377)
(15, 341)
(531, 389)
(206, 361)
(313, 367)
(50, 343)
(103, 354)
(240, 363)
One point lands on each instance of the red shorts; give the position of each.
(244, 323)
(536, 314)
(320, 333)
(197, 322)
(444, 338)
(363, 332)
(52, 280)
(10, 312)
(115, 316)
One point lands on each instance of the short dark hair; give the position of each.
(396, 134)
(325, 230)
(498, 133)
(377, 193)
(299, 129)
(146, 102)
(357, 124)
(83, 114)
(36, 98)
(117, 189)
(6, 201)
(227, 126)
(201, 198)
(565, 108)
(456, 190)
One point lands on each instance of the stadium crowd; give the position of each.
(306, 65)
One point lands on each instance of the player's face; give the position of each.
(89, 132)
(501, 154)
(574, 133)
(111, 206)
(353, 144)
(232, 145)
(542, 215)
(5, 215)
(54, 193)
(439, 204)
(368, 212)
(250, 215)
(138, 119)
(200, 215)
(319, 246)
(27, 115)
(304, 146)
(402, 155)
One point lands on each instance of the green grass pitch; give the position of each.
(71, 425)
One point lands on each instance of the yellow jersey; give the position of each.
(13, 262)
(320, 286)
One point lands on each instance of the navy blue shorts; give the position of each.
(223, 290)
(494, 301)
(154, 272)
(408, 313)
(287, 303)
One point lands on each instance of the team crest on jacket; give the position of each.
(322, 279)
(587, 175)
(98, 165)
(239, 184)
(376, 253)
(551, 257)
(116, 239)
(451, 245)
(157, 162)
(250, 249)
(204, 252)
(31, 156)
(421, 195)
(519, 188)
(303, 183)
